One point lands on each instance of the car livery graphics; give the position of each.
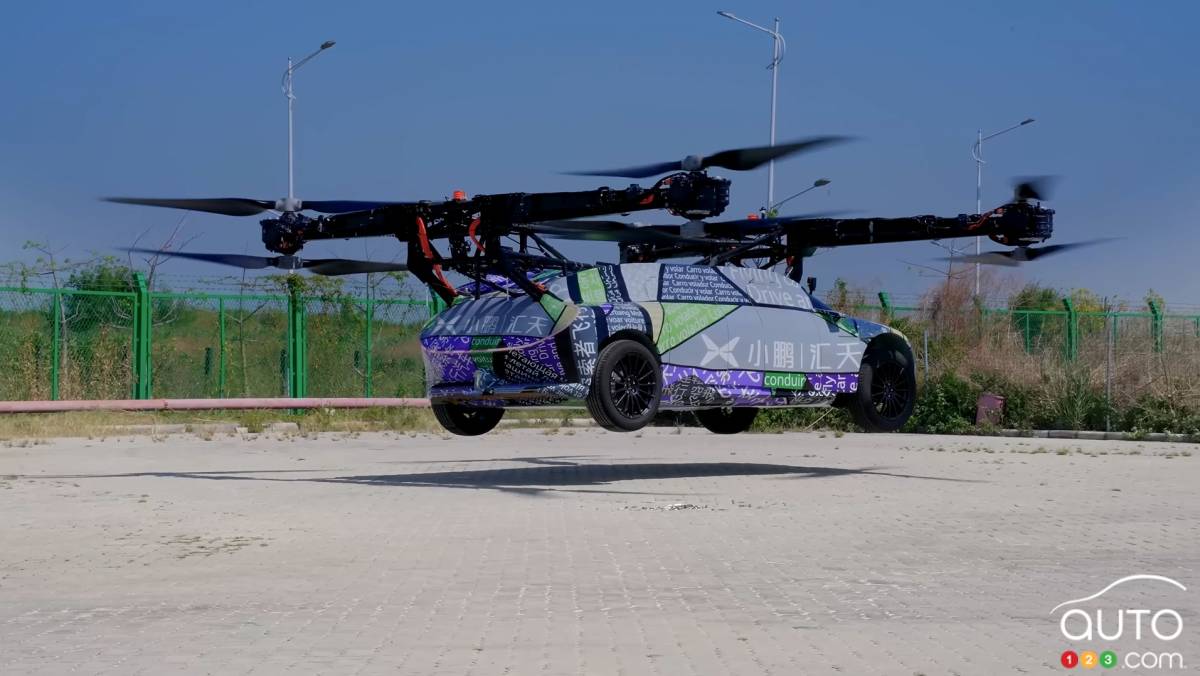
(725, 337)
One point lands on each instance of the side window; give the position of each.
(769, 288)
(698, 284)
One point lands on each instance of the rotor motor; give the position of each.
(695, 194)
(1022, 224)
(284, 235)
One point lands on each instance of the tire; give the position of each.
(726, 420)
(626, 387)
(467, 421)
(887, 390)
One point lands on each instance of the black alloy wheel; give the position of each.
(887, 390)
(626, 386)
(727, 420)
(890, 390)
(467, 421)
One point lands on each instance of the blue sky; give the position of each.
(417, 99)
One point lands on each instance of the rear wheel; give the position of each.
(727, 420)
(626, 386)
(887, 390)
(467, 421)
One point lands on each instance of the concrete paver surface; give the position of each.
(580, 551)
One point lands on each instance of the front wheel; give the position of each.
(727, 420)
(887, 390)
(467, 421)
(626, 387)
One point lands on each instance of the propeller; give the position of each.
(739, 159)
(321, 266)
(1036, 188)
(241, 206)
(1025, 254)
(228, 206)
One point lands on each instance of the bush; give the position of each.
(1154, 414)
(1072, 403)
(945, 405)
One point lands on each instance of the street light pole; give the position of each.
(775, 56)
(977, 153)
(816, 184)
(286, 85)
(778, 48)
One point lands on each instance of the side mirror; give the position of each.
(812, 285)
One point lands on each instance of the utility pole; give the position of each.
(977, 153)
(286, 84)
(778, 48)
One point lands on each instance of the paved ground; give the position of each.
(527, 553)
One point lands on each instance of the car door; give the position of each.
(795, 345)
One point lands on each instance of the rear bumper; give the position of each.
(479, 367)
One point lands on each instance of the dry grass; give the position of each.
(967, 343)
(23, 427)
(101, 424)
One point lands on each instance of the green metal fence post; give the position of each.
(141, 337)
(221, 349)
(55, 342)
(1072, 330)
(1156, 324)
(436, 304)
(885, 306)
(297, 344)
(368, 376)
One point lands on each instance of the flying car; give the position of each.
(724, 336)
(634, 339)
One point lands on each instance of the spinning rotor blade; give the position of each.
(1008, 259)
(240, 206)
(332, 267)
(738, 159)
(644, 171)
(236, 260)
(1037, 188)
(745, 159)
(1021, 255)
(228, 206)
(321, 266)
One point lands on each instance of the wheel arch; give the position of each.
(889, 340)
(634, 335)
(883, 341)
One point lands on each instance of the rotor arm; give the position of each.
(387, 221)
(503, 211)
(1016, 223)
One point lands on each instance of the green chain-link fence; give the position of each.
(69, 344)
(66, 344)
(72, 344)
